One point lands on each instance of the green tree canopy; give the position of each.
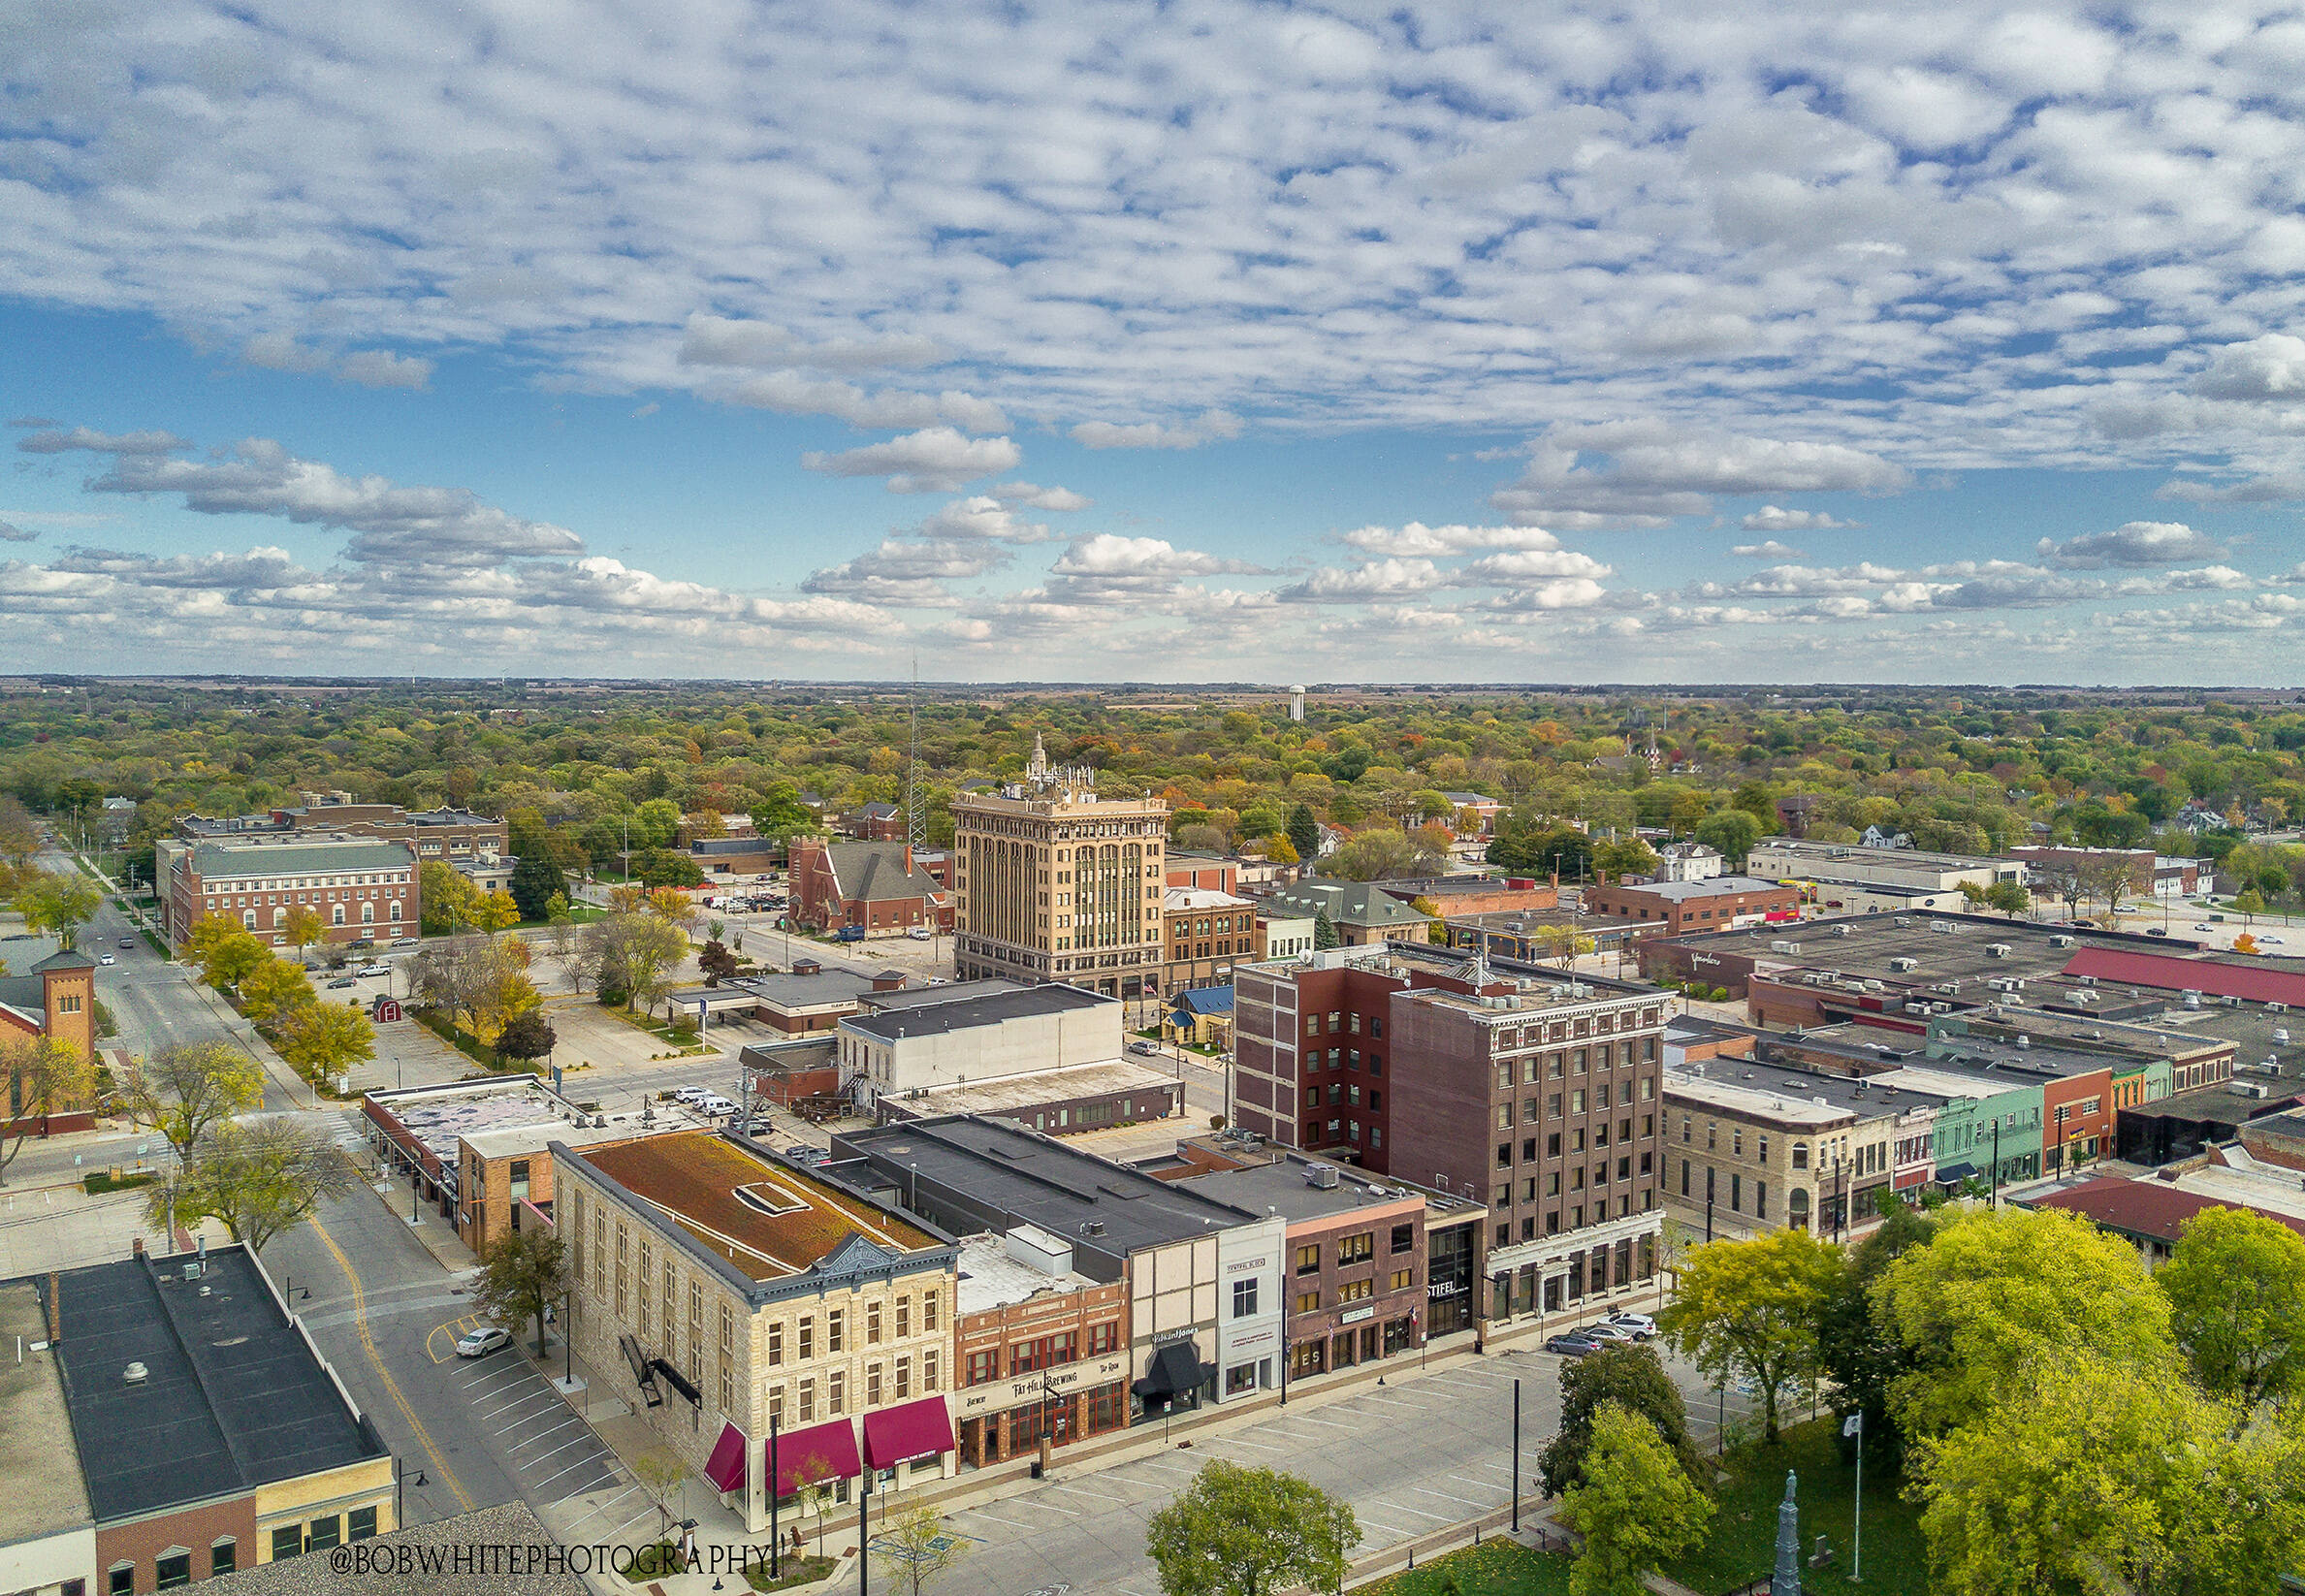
(1751, 1309)
(1634, 1378)
(1636, 1507)
(2236, 1291)
(525, 1272)
(1240, 1531)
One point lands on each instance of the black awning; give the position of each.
(678, 1381)
(1176, 1369)
(1953, 1175)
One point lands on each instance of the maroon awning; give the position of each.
(725, 1468)
(916, 1429)
(821, 1452)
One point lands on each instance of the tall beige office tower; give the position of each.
(1055, 884)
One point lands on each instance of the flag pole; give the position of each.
(1856, 1422)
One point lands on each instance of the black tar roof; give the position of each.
(925, 1018)
(233, 1395)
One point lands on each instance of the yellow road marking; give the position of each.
(360, 1310)
(455, 1328)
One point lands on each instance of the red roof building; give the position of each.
(2211, 977)
(2151, 1213)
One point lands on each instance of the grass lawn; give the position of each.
(1742, 1548)
(1493, 1568)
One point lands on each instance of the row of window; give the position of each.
(1552, 1183)
(1341, 1130)
(1575, 1216)
(1338, 1020)
(1578, 1061)
(1577, 1100)
(876, 1389)
(173, 1567)
(1343, 1057)
(838, 1323)
(1046, 1352)
(1355, 1290)
(1558, 1030)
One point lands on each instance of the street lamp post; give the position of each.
(1515, 1457)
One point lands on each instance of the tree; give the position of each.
(19, 836)
(39, 1077)
(273, 989)
(1855, 1350)
(2236, 1291)
(1381, 855)
(1636, 1506)
(1749, 1309)
(535, 882)
(659, 1475)
(1634, 1378)
(1564, 943)
(1238, 1531)
(230, 956)
(915, 1547)
(450, 899)
(1630, 856)
(813, 1485)
(526, 1035)
(1731, 833)
(656, 823)
(303, 928)
(1304, 832)
(321, 1040)
(496, 912)
(184, 1089)
(1325, 933)
(60, 905)
(1996, 1287)
(525, 1272)
(1437, 928)
(639, 953)
(2095, 1476)
(716, 962)
(2009, 898)
(780, 815)
(663, 867)
(1280, 850)
(257, 1179)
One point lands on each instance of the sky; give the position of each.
(1210, 341)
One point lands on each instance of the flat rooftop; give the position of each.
(1794, 1093)
(2046, 1062)
(37, 1455)
(989, 1278)
(1010, 1093)
(973, 1009)
(1861, 945)
(1285, 1187)
(430, 1553)
(826, 988)
(502, 1117)
(1857, 851)
(233, 1395)
(767, 1218)
(1714, 886)
(1040, 1181)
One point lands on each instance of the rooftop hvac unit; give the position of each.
(1323, 1175)
(2250, 1089)
(2061, 939)
(2086, 980)
(1901, 964)
(2277, 1009)
(2281, 1036)
(1842, 929)
(1940, 928)
(1902, 921)
(1997, 950)
(2231, 1000)
(2193, 1000)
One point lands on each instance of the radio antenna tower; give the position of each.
(916, 815)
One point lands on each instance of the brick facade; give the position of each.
(1055, 1364)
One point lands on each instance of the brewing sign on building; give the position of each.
(999, 1396)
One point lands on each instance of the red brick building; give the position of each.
(874, 886)
(363, 888)
(1040, 1353)
(1714, 905)
(56, 998)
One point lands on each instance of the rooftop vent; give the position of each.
(133, 1374)
(1323, 1175)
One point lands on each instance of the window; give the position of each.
(1308, 1259)
(1353, 1290)
(1357, 1248)
(872, 1386)
(928, 1370)
(833, 1323)
(1404, 1237)
(872, 1325)
(1576, 1102)
(171, 1569)
(1400, 1279)
(807, 1401)
(362, 1524)
(1504, 1154)
(1801, 1155)
(835, 1389)
(928, 1310)
(904, 1317)
(983, 1366)
(1103, 1338)
(288, 1541)
(904, 1378)
(807, 1344)
(224, 1556)
(776, 1344)
(325, 1533)
(1760, 1199)
(1244, 1299)
(121, 1581)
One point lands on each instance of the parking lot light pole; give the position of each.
(1515, 1457)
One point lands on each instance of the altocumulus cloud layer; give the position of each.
(1680, 255)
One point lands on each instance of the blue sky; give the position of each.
(1208, 340)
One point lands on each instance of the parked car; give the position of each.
(373, 970)
(107, 959)
(1604, 1330)
(1574, 1344)
(362, 942)
(2202, 925)
(127, 942)
(1640, 1325)
(2155, 931)
(689, 1094)
(711, 1104)
(1148, 1049)
(2270, 942)
(341, 981)
(849, 934)
(918, 934)
(481, 1342)
(404, 941)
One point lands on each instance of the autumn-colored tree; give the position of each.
(1750, 1310)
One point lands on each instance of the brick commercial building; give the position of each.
(1359, 1276)
(2148, 874)
(55, 998)
(876, 887)
(1205, 934)
(1204, 1277)
(170, 1422)
(1535, 1093)
(361, 888)
(1363, 914)
(1039, 1353)
(1054, 883)
(723, 1288)
(1719, 903)
(448, 835)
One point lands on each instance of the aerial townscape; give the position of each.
(1195, 798)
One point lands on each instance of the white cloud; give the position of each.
(382, 369)
(933, 459)
(981, 518)
(1210, 427)
(1531, 565)
(1768, 550)
(718, 340)
(9, 534)
(1108, 568)
(2134, 543)
(1644, 474)
(1770, 518)
(2283, 489)
(2270, 367)
(65, 440)
(1415, 538)
(909, 573)
(1376, 579)
(1032, 496)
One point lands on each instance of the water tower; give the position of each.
(1296, 702)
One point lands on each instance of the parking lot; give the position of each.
(544, 1442)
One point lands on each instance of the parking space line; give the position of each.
(1076, 1490)
(1461, 1501)
(1466, 1480)
(526, 1419)
(581, 1462)
(492, 1373)
(533, 1462)
(1051, 1507)
(609, 1503)
(1391, 1402)
(1003, 1522)
(550, 1433)
(1403, 1507)
(589, 1485)
(628, 1524)
(1323, 1423)
(1237, 1441)
(1393, 1530)
(522, 1402)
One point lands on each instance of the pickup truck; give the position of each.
(849, 934)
